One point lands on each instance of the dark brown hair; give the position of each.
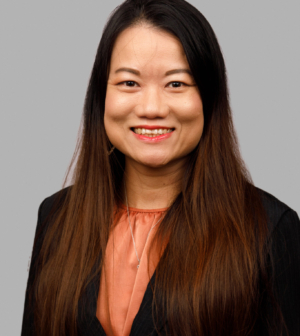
(208, 278)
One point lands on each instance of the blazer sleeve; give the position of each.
(28, 320)
(286, 269)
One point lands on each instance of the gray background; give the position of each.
(47, 51)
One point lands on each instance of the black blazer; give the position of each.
(284, 231)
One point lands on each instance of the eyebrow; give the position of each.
(175, 71)
(168, 73)
(135, 72)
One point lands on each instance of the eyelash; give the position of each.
(177, 82)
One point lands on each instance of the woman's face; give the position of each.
(153, 109)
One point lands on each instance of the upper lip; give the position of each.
(152, 127)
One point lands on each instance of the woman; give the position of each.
(162, 231)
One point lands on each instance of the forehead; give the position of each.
(147, 47)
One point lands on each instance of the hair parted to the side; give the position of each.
(207, 281)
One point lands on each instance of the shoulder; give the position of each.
(52, 203)
(277, 212)
(47, 211)
(284, 259)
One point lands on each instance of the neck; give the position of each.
(152, 188)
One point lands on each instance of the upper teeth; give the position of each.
(144, 131)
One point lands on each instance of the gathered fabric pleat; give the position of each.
(122, 284)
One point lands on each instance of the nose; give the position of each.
(152, 104)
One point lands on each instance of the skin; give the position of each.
(153, 171)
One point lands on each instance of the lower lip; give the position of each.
(157, 138)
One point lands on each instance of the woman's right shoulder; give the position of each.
(49, 207)
(54, 201)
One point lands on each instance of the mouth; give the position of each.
(153, 132)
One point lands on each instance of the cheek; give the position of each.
(191, 115)
(116, 115)
(192, 122)
(117, 105)
(110, 115)
(112, 106)
(114, 111)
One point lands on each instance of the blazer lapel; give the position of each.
(89, 325)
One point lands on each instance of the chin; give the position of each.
(154, 165)
(153, 162)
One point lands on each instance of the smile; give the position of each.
(152, 132)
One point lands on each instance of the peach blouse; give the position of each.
(122, 284)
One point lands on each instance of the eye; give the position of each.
(176, 84)
(128, 83)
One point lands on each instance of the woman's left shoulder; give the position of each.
(278, 213)
(284, 243)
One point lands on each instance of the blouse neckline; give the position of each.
(131, 209)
